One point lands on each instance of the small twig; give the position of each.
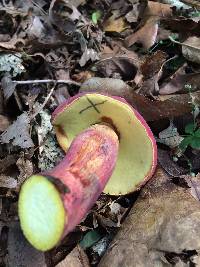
(47, 81)
(172, 58)
(44, 103)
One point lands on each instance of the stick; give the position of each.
(46, 81)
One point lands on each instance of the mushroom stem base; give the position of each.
(53, 203)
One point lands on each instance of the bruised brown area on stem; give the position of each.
(108, 121)
(62, 188)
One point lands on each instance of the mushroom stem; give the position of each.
(51, 204)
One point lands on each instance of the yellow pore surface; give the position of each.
(135, 158)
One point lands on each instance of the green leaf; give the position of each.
(197, 133)
(190, 128)
(186, 141)
(195, 143)
(96, 16)
(90, 239)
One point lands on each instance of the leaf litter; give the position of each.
(144, 51)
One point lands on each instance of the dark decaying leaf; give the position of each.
(163, 225)
(18, 133)
(169, 165)
(25, 167)
(20, 252)
(181, 82)
(153, 63)
(146, 35)
(8, 161)
(175, 105)
(186, 26)
(118, 63)
(8, 86)
(194, 184)
(4, 123)
(191, 49)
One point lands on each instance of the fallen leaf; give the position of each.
(165, 219)
(36, 28)
(181, 82)
(8, 86)
(4, 123)
(18, 133)
(133, 15)
(118, 63)
(170, 136)
(82, 76)
(194, 184)
(20, 252)
(146, 35)
(171, 167)
(25, 167)
(172, 106)
(12, 44)
(88, 54)
(64, 14)
(191, 49)
(158, 9)
(152, 64)
(186, 26)
(114, 24)
(76, 258)
(7, 181)
(8, 161)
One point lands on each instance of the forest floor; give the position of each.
(49, 50)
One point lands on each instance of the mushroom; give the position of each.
(137, 157)
(104, 137)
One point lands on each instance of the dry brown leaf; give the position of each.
(187, 27)
(146, 35)
(4, 123)
(11, 44)
(191, 49)
(20, 252)
(7, 181)
(153, 63)
(82, 76)
(118, 63)
(181, 82)
(8, 161)
(115, 25)
(158, 9)
(76, 258)
(133, 15)
(194, 184)
(164, 220)
(169, 165)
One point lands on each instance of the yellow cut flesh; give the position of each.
(135, 150)
(41, 212)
